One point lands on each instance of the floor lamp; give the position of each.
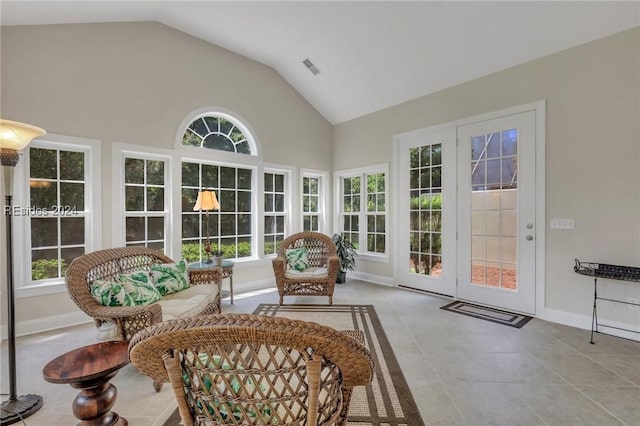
(14, 136)
(206, 202)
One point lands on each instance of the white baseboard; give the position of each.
(250, 286)
(567, 318)
(39, 325)
(584, 322)
(376, 279)
(24, 328)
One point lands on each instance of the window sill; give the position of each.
(41, 290)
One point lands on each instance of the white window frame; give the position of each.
(323, 201)
(121, 151)
(362, 173)
(26, 287)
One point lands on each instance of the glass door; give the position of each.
(426, 196)
(496, 216)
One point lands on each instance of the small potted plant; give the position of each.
(213, 257)
(217, 256)
(347, 256)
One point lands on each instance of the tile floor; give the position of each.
(461, 370)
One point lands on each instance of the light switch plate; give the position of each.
(561, 223)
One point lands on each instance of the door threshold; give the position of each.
(432, 293)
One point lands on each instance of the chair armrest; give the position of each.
(279, 263)
(279, 268)
(333, 267)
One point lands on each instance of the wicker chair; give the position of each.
(238, 369)
(321, 252)
(105, 264)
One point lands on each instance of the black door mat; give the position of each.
(488, 314)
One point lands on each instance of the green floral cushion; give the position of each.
(140, 287)
(297, 259)
(127, 290)
(110, 293)
(170, 277)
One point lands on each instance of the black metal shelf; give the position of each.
(612, 272)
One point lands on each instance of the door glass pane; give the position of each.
(494, 194)
(425, 210)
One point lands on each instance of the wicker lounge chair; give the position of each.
(321, 253)
(106, 264)
(238, 369)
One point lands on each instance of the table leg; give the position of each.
(231, 287)
(94, 402)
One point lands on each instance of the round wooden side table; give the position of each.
(90, 368)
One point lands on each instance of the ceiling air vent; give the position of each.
(307, 63)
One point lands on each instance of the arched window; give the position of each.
(219, 132)
(234, 177)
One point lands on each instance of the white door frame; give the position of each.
(539, 107)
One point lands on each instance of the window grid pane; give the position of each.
(57, 193)
(274, 211)
(364, 211)
(230, 229)
(376, 212)
(494, 186)
(311, 204)
(145, 211)
(213, 131)
(425, 210)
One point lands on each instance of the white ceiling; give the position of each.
(371, 54)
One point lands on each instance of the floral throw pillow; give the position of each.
(297, 259)
(139, 287)
(127, 290)
(170, 277)
(110, 293)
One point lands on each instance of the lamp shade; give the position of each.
(16, 136)
(206, 201)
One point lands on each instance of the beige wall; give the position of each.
(592, 95)
(134, 83)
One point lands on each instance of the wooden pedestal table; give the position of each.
(90, 368)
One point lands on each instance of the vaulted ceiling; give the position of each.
(370, 54)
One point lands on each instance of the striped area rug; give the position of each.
(488, 314)
(387, 401)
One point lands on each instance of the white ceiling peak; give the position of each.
(372, 54)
